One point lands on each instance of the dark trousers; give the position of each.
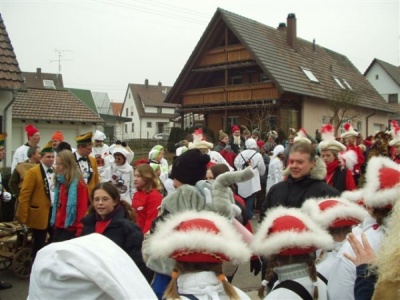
(39, 237)
(39, 240)
(61, 234)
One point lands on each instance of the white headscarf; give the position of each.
(87, 267)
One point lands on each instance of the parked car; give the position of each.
(161, 136)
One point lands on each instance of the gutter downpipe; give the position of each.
(366, 120)
(14, 97)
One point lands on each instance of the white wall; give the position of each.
(314, 111)
(384, 84)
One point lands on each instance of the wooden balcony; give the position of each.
(223, 55)
(230, 94)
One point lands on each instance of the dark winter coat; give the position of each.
(125, 234)
(292, 193)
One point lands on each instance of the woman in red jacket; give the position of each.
(71, 198)
(147, 198)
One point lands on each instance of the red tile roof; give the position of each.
(117, 108)
(52, 105)
(10, 73)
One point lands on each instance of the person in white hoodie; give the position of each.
(120, 173)
(88, 267)
(248, 189)
(275, 169)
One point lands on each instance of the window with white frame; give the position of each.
(133, 127)
(339, 83)
(347, 84)
(310, 75)
(393, 98)
(148, 124)
(126, 128)
(126, 111)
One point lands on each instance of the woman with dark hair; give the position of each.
(115, 219)
(71, 198)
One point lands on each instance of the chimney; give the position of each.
(282, 27)
(146, 83)
(38, 73)
(159, 83)
(291, 31)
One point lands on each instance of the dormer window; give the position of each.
(339, 83)
(310, 75)
(49, 84)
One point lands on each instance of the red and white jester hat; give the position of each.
(348, 131)
(382, 187)
(329, 141)
(289, 231)
(334, 212)
(193, 236)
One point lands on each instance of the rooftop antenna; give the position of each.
(59, 60)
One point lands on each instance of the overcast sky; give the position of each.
(106, 44)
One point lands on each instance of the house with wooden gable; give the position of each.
(144, 103)
(385, 78)
(11, 82)
(247, 73)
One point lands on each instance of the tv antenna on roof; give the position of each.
(59, 60)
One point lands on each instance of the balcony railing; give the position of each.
(234, 53)
(230, 94)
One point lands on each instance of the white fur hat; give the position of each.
(99, 136)
(382, 187)
(329, 141)
(78, 269)
(395, 132)
(277, 150)
(194, 236)
(355, 196)
(348, 131)
(289, 231)
(334, 212)
(302, 136)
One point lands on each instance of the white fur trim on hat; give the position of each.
(329, 141)
(302, 136)
(348, 131)
(98, 135)
(199, 142)
(374, 195)
(269, 244)
(166, 239)
(353, 196)
(343, 210)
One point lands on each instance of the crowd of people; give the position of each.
(325, 206)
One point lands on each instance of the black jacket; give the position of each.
(293, 193)
(125, 234)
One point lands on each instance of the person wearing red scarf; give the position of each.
(338, 175)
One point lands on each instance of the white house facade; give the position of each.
(144, 103)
